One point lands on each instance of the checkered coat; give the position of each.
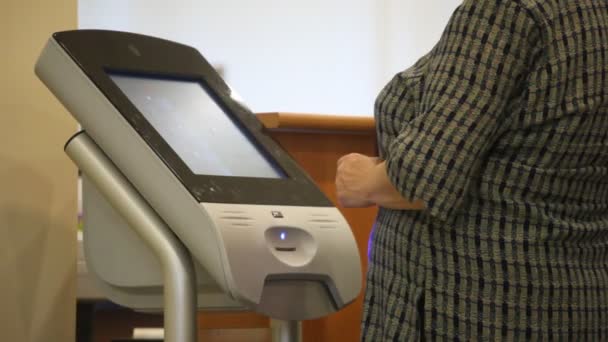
(502, 130)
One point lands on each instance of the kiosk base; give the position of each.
(286, 331)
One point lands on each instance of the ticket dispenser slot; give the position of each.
(292, 246)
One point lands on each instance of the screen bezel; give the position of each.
(99, 53)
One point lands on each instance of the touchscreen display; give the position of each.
(196, 128)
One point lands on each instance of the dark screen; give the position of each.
(196, 128)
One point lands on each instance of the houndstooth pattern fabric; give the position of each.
(502, 129)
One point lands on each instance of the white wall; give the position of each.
(411, 29)
(311, 56)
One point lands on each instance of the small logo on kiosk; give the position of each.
(277, 214)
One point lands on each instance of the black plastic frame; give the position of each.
(99, 52)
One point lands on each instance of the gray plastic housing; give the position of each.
(238, 248)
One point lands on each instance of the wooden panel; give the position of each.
(317, 123)
(114, 324)
(231, 320)
(318, 151)
(235, 335)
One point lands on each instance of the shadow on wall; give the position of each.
(37, 254)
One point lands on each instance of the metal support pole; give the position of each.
(178, 271)
(286, 331)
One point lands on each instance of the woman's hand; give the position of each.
(353, 180)
(362, 181)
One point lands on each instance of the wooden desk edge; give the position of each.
(317, 122)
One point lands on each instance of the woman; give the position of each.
(492, 180)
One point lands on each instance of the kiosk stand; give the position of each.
(178, 271)
(188, 203)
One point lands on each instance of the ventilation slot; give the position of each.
(323, 221)
(237, 219)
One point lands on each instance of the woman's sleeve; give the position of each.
(475, 71)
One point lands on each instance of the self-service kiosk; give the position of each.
(188, 202)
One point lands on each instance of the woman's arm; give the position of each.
(362, 181)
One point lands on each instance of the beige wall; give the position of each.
(37, 181)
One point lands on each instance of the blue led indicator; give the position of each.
(283, 235)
